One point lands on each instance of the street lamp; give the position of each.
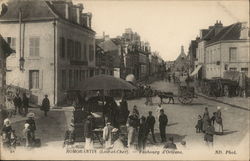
(21, 63)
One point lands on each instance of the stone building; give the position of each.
(55, 42)
(181, 62)
(104, 62)
(222, 48)
(228, 50)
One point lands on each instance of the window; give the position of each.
(77, 50)
(71, 79)
(233, 69)
(63, 79)
(62, 46)
(34, 46)
(34, 79)
(91, 52)
(245, 70)
(83, 74)
(70, 48)
(232, 54)
(103, 71)
(75, 78)
(84, 52)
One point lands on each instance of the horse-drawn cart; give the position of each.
(186, 93)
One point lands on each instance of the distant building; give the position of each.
(181, 62)
(192, 56)
(169, 65)
(55, 60)
(113, 48)
(205, 35)
(223, 48)
(104, 62)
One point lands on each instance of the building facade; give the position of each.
(55, 60)
(104, 63)
(228, 50)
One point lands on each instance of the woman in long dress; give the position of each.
(218, 121)
(205, 120)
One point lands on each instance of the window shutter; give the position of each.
(41, 79)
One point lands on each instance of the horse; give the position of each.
(165, 95)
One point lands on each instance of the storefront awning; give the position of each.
(196, 70)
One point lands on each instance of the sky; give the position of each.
(166, 24)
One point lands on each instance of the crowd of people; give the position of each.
(20, 106)
(210, 125)
(133, 133)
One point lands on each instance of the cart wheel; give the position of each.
(185, 99)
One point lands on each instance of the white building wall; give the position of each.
(43, 62)
(220, 52)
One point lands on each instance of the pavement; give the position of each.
(182, 121)
(237, 102)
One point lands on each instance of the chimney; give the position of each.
(218, 26)
(106, 37)
(244, 32)
(79, 8)
(67, 10)
(89, 17)
(203, 32)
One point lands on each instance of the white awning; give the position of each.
(196, 70)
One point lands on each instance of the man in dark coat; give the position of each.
(132, 123)
(18, 104)
(163, 121)
(124, 111)
(45, 105)
(142, 135)
(150, 122)
(209, 135)
(25, 104)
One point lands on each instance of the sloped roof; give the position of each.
(210, 34)
(5, 47)
(35, 10)
(108, 45)
(117, 41)
(231, 32)
(31, 10)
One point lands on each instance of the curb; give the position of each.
(235, 106)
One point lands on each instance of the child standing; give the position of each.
(199, 125)
(27, 135)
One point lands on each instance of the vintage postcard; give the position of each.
(124, 80)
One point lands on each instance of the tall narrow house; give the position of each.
(54, 44)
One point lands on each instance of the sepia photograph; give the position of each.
(124, 80)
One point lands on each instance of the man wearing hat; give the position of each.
(45, 105)
(150, 122)
(163, 121)
(142, 135)
(32, 125)
(218, 121)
